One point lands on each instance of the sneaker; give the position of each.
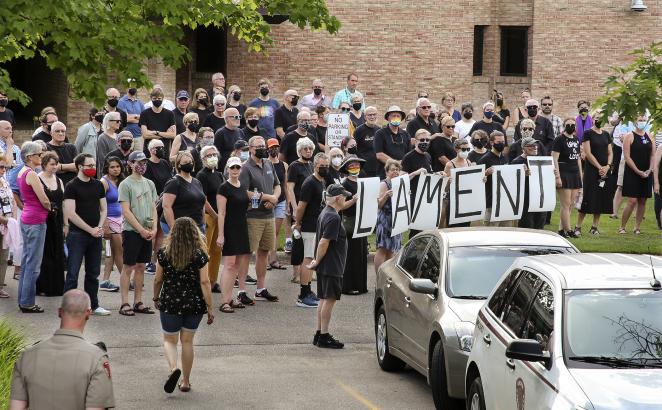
(571, 234)
(150, 268)
(316, 338)
(563, 233)
(288, 245)
(101, 312)
(251, 280)
(307, 302)
(578, 232)
(327, 341)
(108, 286)
(216, 288)
(265, 295)
(245, 299)
(314, 296)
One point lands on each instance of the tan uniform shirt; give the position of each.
(63, 372)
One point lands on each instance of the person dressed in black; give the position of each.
(492, 158)
(462, 151)
(289, 147)
(441, 146)
(423, 119)
(543, 130)
(364, 136)
(639, 155)
(391, 142)
(355, 277)
(596, 145)
(417, 162)
(480, 143)
(234, 101)
(287, 114)
(183, 195)
(65, 151)
(226, 137)
(158, 123)
(532, 220)
(487, 124)
(568, 163)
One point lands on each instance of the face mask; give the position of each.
(354, 171)
(463, 154)
(352, 150)
(133, 91)
(188, 168)
(212, 162)
(243, 155)
(273, 153)
(126, 144)
(357, 106)
(583, 112)
(499, 146)
(99, 118)
(488, 114)
(499, 101)
(193, 127)
(527, 134)
(569, 128)
(304, 126)
(236, 96)
(317, 91)
(295, 100)
(598, 123)
(433, 116)
(91, 173)
(323, 171)
(140, 168)
(336, 161)
(264, 92)
(4, 102)
(48, 127)
(477, 143)
(641, 124)
(112, 102)
(395, 123)
(423, 146)
(157, 103)
(468, 115)
(160, 152)
(326, 117)
(532, 111)
(261, 153)
(253, 123)
(203, 101)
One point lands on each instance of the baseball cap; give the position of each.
(240, 144)
(528, 141)
(233, 161)
(272, 142)
(337, 189)
(183, 94)
(137, 156)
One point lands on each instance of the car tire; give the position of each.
(476, 397)
(439, 381)
(387, 362)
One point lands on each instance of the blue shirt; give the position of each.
(12, 173)
(342, 96)
(131, 107)
(266, 109)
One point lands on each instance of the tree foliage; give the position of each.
(94, 41)
(633, 89)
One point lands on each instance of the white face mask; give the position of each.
(336, 161)
(464, 154)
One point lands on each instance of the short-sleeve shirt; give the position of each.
(158, 121)
(488, 127)
(311, 193)
(141, 195)
(441, 147)
(266, 109)
(419, 123)
(159, 173)
(210, 180)
(8, 115)
(66, 154)
(489, 160)
(132, 107)
(264, 179)
(181, 293)
(412, 161)
(569, 152)
(189, 198)
(393, 145)
(214, 122)
(365, 136)
(66, 371)
(86, 196)
(298, 172)
(288, 146)
(224, 140)
(285, 118)
(329, 226)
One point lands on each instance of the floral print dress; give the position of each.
(181, 293)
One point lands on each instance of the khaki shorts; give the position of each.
(621, 171)
(488, 221)
(262, 234)
(309, 244)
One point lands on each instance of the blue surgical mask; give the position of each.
(488, 114)
(243, 155)
(642, 124)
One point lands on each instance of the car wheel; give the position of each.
(438, 380)
(476, 397)
(386, 361)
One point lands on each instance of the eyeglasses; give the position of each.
(193, 122)
(126, 140)
(425, 107)
(115, 120)
(211, 156)
(424, 140)
(465, 149)
(90, 166)
(547, 104)
(450, 126)
(371, 115)
(183, 98)
(60, 131)
(236, 117)
(219, 104)
(157, 99)
(344, 109)
(306, 148)
(3, 167)
(532, 107)
(527, 129)
(235, 167)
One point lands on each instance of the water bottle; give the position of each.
(255, 199)
(295, 232)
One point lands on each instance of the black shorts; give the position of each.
(329, 287)
(296, 257)
(135, 248)
(570, 180)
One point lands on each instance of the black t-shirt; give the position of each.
(413, 161)
(568, 149)
(159, 173)
(179, 120)
(236, 206)
(441, 146)
(249, 133)
(158, 121)
(189, 198)
(418, 123)
(285, 118)
(66, 154)
(311, 193)
(365, 136)
(224, 140)
(501, 116)
(46, 137)
(475, 156)
(297, 172)
(490, 159)
(202, 114)
(210, 181)
(214, 122)
(329, 226)
(357, 121)
(288, 146)
(8, 115)
(320, 131)
(352, 187)
(393, 145)
(488, 127)
(87, 196)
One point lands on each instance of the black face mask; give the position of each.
(357, 106)
(598, 123)
(133, 91)
(193, 127)
(264, 92)
(477, 143)
(126, 144)
(157, 103)
(423, 146)
(112, 102)
(253, 123)
(583, 111)
(352, 150)
(432, 116)
(468, 115)
(317, 91)
(323, 171)
(261, 153)
(569, 129)
(499, 101)
(99, 118)
(160, 152)
(295, 100)
(532, 111)
(4, 102)
(499, 146)
(236, 96)
(48, 127)
(188, 168)
(203, 101)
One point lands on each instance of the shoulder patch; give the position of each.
(106, 367)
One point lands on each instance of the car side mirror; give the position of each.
(528, 350)
(425, 286)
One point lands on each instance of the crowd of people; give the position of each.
(220, 179)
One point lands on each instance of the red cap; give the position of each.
(272, 142)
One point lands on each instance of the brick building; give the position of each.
(558, 47)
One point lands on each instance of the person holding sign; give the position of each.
(387, 245)
(417, 162)
(462, 150)
(391, 142)
(568, 163)
(355, 277)
(492, 158)
(534, 220)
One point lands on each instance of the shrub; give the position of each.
(12, 343)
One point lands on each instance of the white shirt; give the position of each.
(462, 128)
(167, 104)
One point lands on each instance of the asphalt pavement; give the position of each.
(258, 357)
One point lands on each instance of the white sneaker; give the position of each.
(100, 312)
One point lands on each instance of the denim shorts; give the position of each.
(172, 324)
(279, 210)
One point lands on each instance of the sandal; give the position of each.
(3, 294)
(637, 232)
(237, 304)
(184, 389)
(277, 265)
(170, 384)
(31, 309)
(622, 231)
(126, 312)
(144, 309)
(594, 231)
(226, 308)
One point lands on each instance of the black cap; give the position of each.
(240, 144)
(337, 189)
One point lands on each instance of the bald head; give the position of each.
(232, 118)
(75, 304)
(5, 129)
(291, 97)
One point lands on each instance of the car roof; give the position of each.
(480, 236)
(597, 270)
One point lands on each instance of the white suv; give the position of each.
(577, 331)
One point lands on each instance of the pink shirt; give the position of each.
(33, 212)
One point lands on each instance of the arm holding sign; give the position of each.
(656, 170)
(385, 194)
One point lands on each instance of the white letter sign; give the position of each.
(542, 184)
(400, 206)
(507, 192)
(427, 207)
(366, 207)
(467, 193)
(338, 128)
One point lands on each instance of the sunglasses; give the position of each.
(424, 140)
(547, 105)
(115, 120)
(344, 110)
(465, 149)
(425, 107)
(3, 167)
(235, 167)
(450, 126)
(236, 117)
(219, 105)
(527, 129)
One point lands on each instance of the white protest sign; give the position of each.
(542, 184)
(467, 202)
(366, 207)
(400, 206)
(427, 206)
(507, 192)
(337, 129)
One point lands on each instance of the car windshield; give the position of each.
(473, 271)
(613, 328)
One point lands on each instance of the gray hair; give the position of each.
(320, 156)
(106, 120)
(421, 100)
(206, 149)
(303, 143)
(527, 121)
(29, 148)
(219, 98)
(255, 138)
(59, 124)
(75, 302)
(152, 144)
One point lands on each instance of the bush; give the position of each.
(12, 343)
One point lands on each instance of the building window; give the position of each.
(211, 49)
(514, 51)
(479, 38)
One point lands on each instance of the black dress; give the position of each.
(355, 277)
(596, 199)
(235, 228)
(635, 186)
(51, 278)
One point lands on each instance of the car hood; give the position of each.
(621, 388)
(466, 310)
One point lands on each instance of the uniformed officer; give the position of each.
(65, 371)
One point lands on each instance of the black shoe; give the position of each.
(265, 295)
(563, 233)
(594, 231)
(251, 280)
(571, 234)
(326, 341)
(216, 288)
(171, 383)
(245, 299)
(316, 338)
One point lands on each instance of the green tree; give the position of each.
(94, 41)
(633, 89)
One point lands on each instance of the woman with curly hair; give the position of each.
(183, 295)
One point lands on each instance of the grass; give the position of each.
(11, 344)
(609, 240)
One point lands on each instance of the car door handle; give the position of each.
(487, 339)
(510, 363)
(407, 301)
